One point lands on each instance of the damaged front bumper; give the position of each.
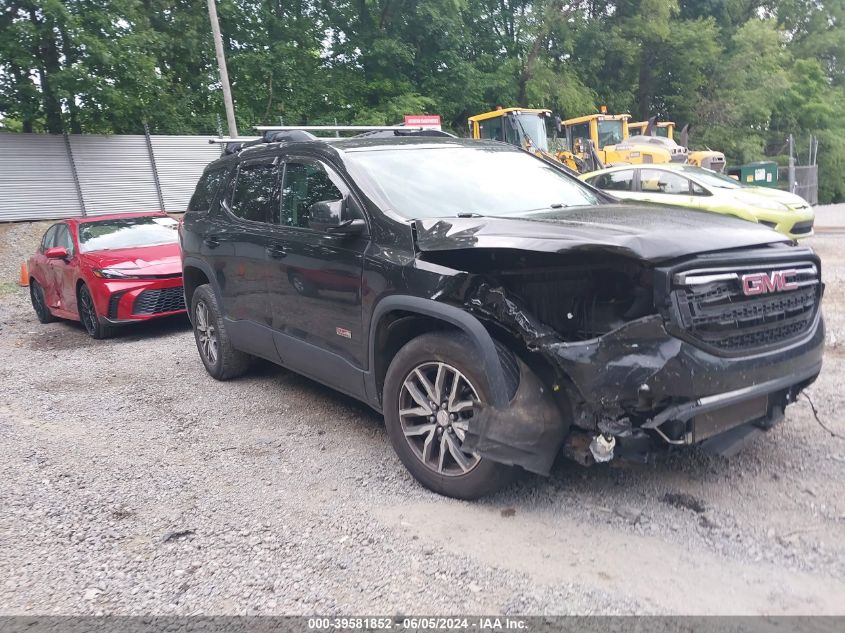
(642, 386)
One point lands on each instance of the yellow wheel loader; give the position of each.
(525, 128)
(707, 158)
(608, 133)
(591, 142)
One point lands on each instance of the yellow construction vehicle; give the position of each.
(523, 127)
(591, 142)
(663, 129)
(608, 134)
(707, 158)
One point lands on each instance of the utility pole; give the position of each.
(791, 164)
(221, 65)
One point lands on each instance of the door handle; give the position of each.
(276, 253)
(211, 242)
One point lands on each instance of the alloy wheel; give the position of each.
(87, 312)
(436, 403)
(206, 333)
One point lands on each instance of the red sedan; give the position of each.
(107, 271)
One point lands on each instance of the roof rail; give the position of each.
(236, 144)
(292, 133)
(337, 128)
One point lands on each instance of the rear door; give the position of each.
(237, 245)
(616, 183)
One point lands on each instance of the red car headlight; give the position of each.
(113, 273)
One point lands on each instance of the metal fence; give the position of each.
(805, 184)
(46, 177)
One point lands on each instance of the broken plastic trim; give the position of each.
(528, 432)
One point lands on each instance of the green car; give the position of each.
(688, 186)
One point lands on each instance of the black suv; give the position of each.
(497, 310)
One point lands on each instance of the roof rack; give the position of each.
(236, 144)
(338, 128)
(292, 133)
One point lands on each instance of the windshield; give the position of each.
(534, 127)
(712, 179)
(610, 133)
(127, 233)
(436, 182)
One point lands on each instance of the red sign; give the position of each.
(423, 120)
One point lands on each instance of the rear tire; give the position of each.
(39, 302)
(410, 427)
(88, 315)
(222, 361)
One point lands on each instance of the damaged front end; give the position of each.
(620, 356)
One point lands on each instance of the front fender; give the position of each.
(485, 349)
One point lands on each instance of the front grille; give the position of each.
(159, 301)
(802, 227)
(747, 309)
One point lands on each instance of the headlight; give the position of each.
(112, 273)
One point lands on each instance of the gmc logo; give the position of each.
(775, 281)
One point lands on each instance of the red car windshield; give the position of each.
(127, 233)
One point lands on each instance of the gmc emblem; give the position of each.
(775, 281)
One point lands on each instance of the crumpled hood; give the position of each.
(147, 260)
(648, 233)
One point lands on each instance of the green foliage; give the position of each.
(743, 73)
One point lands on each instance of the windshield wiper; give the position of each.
(469, 214)
(558, 205)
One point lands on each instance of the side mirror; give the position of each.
(326, 214)
(57, 252)
(330, 217)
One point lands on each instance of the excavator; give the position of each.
(707, 158)
(591, 142)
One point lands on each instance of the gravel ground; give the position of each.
(132, 483)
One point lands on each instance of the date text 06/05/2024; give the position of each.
(480, 623)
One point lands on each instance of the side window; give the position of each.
(63, 238)
(579, 131)
(658, 181)
(615, 181)
(305, 183)
(255, 195)
(49, 239)
(491, 128)
(206, 190)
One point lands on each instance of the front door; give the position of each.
(315, 280)
(64, 271)
(44, 273)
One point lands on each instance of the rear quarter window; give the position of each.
(206, 190)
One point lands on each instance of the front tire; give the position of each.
(430, 393)
(88, 315)
(222, 361)
(39, 302)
